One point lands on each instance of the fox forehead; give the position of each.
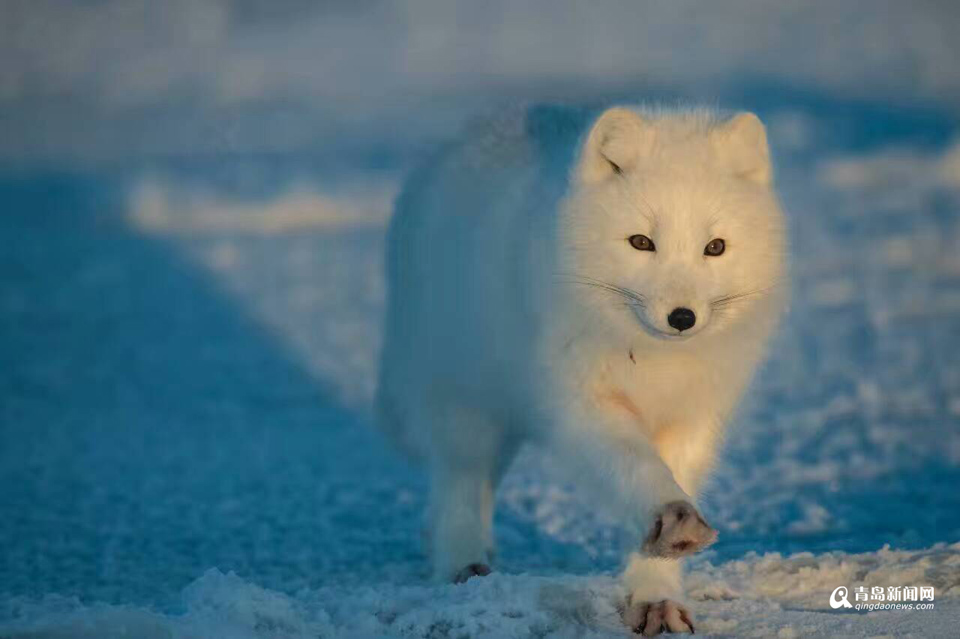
(665, 198)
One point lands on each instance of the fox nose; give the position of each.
(681, 318)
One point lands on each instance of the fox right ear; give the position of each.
(742, 143)
(613, 146)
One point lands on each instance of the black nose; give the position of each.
(681, 318)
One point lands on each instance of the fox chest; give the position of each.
(655, 395)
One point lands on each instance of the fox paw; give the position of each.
(473, 570)
(652, 618)
(678, 530)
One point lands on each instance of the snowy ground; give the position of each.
(185, 452)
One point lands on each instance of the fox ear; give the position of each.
(742, 144)
(617, 140)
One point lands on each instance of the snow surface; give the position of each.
(186, 451)
(758, 596)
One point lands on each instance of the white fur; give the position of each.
(493, 336)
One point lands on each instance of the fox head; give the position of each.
(671, 227)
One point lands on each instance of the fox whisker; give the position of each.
(633, 297)
(727, 300)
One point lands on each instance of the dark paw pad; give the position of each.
(677, 531)
(473, 570)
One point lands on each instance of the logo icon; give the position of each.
(839, 598)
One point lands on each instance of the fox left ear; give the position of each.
(742, 144)
(617, 140)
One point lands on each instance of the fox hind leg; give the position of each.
(459, 537)
(467, 461)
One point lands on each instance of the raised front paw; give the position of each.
(652, 618)
(678, 530)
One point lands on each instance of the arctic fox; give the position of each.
(604, 285)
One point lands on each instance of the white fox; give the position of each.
(603, 285)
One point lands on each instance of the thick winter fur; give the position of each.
(519, 310)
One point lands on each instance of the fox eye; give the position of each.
(715, 247)
(641, 243)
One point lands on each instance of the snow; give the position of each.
(757, 596)
(161, 205)
(228, 76)
(187, 452)
(895, 167)
(190, 305)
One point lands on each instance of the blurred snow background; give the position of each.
(193, 201)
